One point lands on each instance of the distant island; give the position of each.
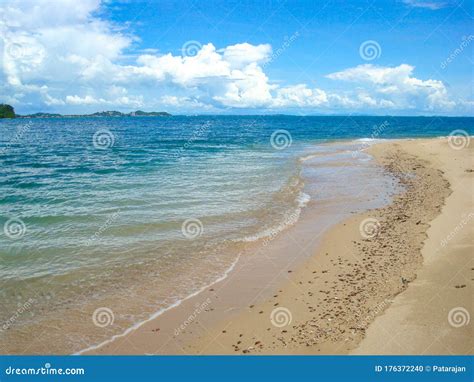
(7, 111)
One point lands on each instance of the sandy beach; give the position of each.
(393, 280)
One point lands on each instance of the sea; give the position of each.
(143, 212)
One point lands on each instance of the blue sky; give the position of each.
(405, 57)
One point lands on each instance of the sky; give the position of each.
(400, 57)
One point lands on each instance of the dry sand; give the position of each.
(381, 282)
(434, 315)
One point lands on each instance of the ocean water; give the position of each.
(94, 209)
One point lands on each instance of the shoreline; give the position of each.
(271, 250)
(215, 336)
(361, 265)
(158, 313)
(78, 331)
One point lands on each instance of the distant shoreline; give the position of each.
(8, 112)
(166, 114)
(116, 114)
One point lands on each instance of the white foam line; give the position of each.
(311, 156)
(367, 140)
(160, 312)
(302, 200)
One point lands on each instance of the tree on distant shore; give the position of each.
(6, 111)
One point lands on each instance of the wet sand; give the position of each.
(358, 273)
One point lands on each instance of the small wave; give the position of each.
(303, 199)
(288, 220)
(160, 312)
(369, 140)
(310, 156)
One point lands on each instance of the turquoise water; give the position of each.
(93, 207)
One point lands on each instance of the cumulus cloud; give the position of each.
(68, 57)
(91, 100)
(45, 44)
(433, 5)
(299, 95)
(395, 87)
(240, 55)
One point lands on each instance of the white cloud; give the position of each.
(44, 42)
(91, 100)
(300, 96)
(185, 71)
(87, 100)
(433, 5)
(67, 57)
(180, 103)
(240, 55)
(244, 88)
(396, 87)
